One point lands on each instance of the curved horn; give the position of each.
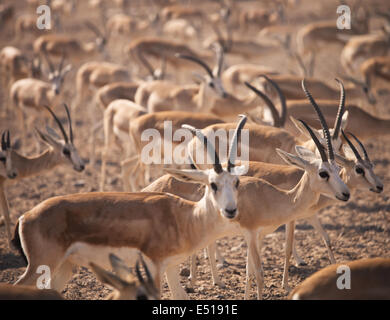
(324, 125)
(62, 61)
(282, 98)
(93, 28)
(210, 148)
(365, 154)
(50, 64)
(3, 141)
(59, 124)
(340, 111)
(196, 60)
(269, 103)
(8, 140)
(234, 142)
(69, 122)
(320, 147)
(356, 153)
(220, 58)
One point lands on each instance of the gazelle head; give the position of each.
(126, 285)
(64, 146)
(324, 174)
(6, 155)
(359, 169)
(213, 78)
(279, 120)
(101, 39)
(221, 184)
(57, 76)
(339, 124)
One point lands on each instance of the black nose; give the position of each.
(379, 188)
(231, 212)
(346, 195)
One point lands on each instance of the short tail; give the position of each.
(16, 244)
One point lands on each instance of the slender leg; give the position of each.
(5, 211)
(299, 261)
(254, 258)
(315, 222)
(290, 227)
(192, 276)
(127, 173)
(173, 280)
(219, 256)
(211, 253)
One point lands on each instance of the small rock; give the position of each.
(185, 272)
(190, 290)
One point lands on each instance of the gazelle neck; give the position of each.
(31, 166)
(205, 223)
(302, 196)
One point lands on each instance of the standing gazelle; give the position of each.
(70, 230)
(31, 94)
(60, 151)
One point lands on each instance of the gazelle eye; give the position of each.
(66, 152)
(359, 170)
(211, 84)
(214, 186)
(324, 175)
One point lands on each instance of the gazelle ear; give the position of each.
(344, 162)
(107, 277)
(240, 170)
(48, 139)
(303, 130)
(66, 70)
(348, 153)
(193, 176)
(305, 153)
(344, 120)
(52, 133)
(292, 159)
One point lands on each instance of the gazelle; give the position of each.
(156, 121)
(96, 74)
(81, 228)
(126, 285)
(360, 48)
(312, 36)
(31, 94)
(76, 51)
(369, 279)
(376, 70)
(290, 86)
(357, 118)
(158, 48)
(234, 76)
(60, 151)
(116, 90)
(117, 119)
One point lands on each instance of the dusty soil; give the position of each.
(358, 229)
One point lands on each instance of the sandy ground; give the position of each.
(358, 229)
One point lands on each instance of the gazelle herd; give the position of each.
(260, 147)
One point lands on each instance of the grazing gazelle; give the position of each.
(31, 94)
(76, 229)
(60, 151)
(126, 285)
(368, 278)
